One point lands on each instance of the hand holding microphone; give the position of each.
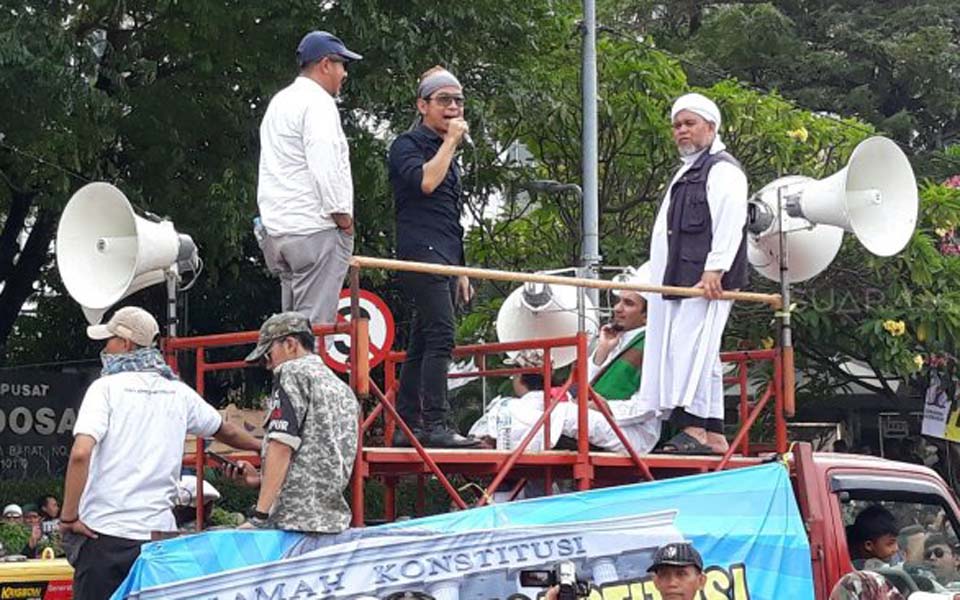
(460, 130)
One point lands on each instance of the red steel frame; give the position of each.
(586, 468)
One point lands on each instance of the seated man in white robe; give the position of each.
(614, 372)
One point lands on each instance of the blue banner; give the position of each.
(745, 522)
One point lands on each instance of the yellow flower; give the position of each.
(940, 231)
(767, 343)
(918, 360)
(800, 134)
(895, 328)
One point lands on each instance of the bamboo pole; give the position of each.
(773, 300)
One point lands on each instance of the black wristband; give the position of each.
(65, 522)
(261, 515)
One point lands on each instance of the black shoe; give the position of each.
(400, 439)
(445, 437)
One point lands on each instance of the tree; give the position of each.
(892, 64)
(164, 99)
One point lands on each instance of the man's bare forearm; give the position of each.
(273, 473)
(232, 435)
(343, 220)
(78, 470)
(435, 169)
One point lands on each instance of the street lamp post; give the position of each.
(590, 249)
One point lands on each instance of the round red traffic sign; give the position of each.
(372, 307)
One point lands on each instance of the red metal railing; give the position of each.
(421, 461)
(199, 345)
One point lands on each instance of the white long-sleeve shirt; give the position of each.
(304, 162)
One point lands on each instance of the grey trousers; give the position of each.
(311, 270)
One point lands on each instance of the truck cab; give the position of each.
(831, 489)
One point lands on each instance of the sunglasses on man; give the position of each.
(446, 100)
(935, 553)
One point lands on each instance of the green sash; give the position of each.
(620, 379)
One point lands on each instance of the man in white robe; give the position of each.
(614, 372)
(698, 241)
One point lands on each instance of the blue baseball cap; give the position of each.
(317, 44)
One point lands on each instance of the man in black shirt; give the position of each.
(426, 190)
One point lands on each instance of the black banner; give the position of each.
(37, 412)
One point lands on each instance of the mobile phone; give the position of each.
(223, 460)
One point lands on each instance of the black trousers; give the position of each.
(101, 565)
(422, 400)
(680, 419)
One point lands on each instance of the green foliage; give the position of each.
(165, 98)
(223, 518)
(27, 491)
(234, 497)
(14, 537)
(892, 64)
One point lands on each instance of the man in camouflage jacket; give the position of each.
(310, 437)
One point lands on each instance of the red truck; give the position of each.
(832, 488)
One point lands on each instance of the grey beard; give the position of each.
(688, 149)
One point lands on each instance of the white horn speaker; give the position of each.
(874, 197)
(810, 248)
(106, 252)
(142, 281)
(537, 311)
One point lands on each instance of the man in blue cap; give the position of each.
(305, 188)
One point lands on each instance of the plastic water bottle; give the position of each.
(504, 424)
(259, 231)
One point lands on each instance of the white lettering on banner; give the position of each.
(279, 425)
(20, 420)
(513, 554)
(31, 390)
(477, 563)
(326, 582)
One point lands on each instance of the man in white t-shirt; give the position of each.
(128, 447)
(305, 187)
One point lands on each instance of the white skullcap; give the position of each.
(531, 357)
(698, 104)
(638, 276)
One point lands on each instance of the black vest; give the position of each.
(690, 230)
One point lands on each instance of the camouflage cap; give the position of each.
(276, 327)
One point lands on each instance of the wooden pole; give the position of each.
(453, 271)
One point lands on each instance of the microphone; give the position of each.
(469, 140)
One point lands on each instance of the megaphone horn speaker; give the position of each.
(541, 312)
(874, 197)
(106, 252)
(809, 248)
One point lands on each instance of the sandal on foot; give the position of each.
(684, 443)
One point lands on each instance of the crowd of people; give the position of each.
(657, 361)
(906, 546)
(305, 227)
(39, 520)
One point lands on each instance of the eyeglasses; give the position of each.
(444, 100)
(935, 553)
